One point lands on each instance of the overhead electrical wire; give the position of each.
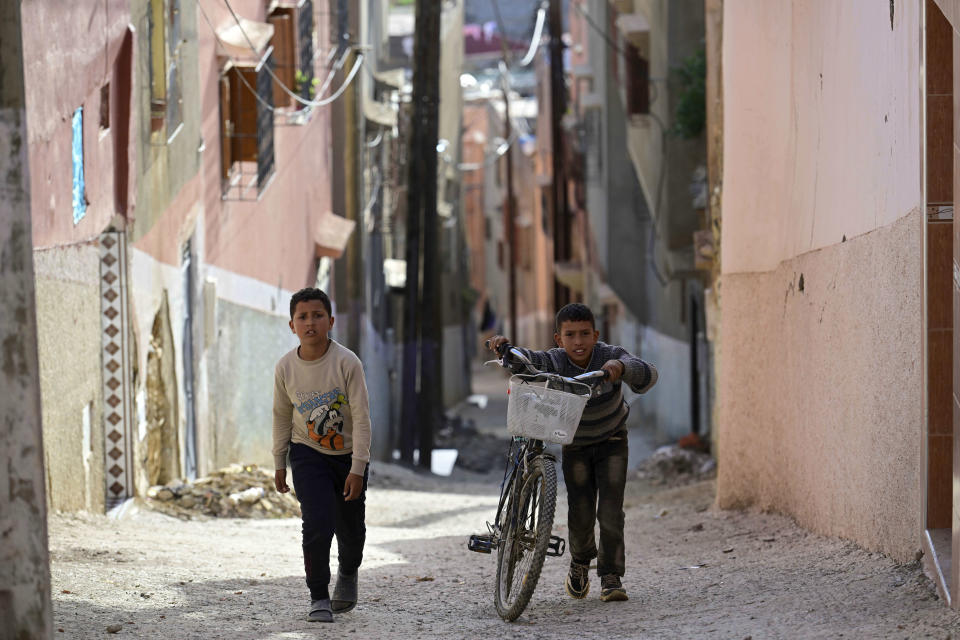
(501, 149)
(243, 80)
(310, 103)
(537, 34)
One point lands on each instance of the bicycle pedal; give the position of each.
(556, 546)
(481, 544)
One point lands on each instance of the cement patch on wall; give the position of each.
(69, 344)
(248, 345)
(664, 411)
(819, 389)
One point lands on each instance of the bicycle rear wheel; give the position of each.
(526, 533)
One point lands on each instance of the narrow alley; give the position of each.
(692, 572)
(243, 240)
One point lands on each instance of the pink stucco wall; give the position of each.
(819, 385)
(70, 51)
(271, 239)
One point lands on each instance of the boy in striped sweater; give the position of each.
(595, 463)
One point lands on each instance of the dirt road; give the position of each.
(692, 572)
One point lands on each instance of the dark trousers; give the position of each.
(595, 476)
(318, 480)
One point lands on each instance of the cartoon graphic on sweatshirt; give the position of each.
(325, 423)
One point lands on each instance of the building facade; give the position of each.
(79, 70)
(637, 147)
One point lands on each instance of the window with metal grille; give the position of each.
(246, 118)
(293, 52)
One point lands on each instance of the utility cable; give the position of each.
(243, 80)
(501, 149)
(537, 34)
(603, 33)
(376, 141)
(308, 103)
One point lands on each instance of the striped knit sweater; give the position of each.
(606, 412)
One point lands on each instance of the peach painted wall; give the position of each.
(819, 381)
(823, 117)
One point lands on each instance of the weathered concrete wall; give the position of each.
(663, 413)
(819, 380)
(69, 339)
(240, 333)
(819, 389)
(25, 609)
(249, 343)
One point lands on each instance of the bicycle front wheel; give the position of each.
(524, 538)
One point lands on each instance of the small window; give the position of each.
(545, 212)
(638, 81)
(293, 53)
(105, 107)
(79, 188)
(246, 129)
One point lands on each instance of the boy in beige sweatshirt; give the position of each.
(321, 418)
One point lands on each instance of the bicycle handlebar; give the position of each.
(505, 349)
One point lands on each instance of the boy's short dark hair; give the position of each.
(310, 293)
(575, 312)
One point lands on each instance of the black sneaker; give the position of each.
(611, 590)
(578, 580)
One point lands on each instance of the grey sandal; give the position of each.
(344, 593)
(320, 611)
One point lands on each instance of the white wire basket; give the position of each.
(536, 411)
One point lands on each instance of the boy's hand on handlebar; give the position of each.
(614, 369)
(496, 342)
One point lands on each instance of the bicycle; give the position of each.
(521, 532)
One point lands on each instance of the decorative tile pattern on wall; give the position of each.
(118, 413)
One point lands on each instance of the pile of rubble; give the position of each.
(674, 465)
(237, 491)
(477, 452)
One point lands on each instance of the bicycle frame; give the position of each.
(517, 465)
